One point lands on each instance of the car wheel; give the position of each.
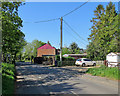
(94, 64)
(83, 64)
(77, 65)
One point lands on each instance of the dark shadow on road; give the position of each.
(33, 87)
(50, 74)
(23, 63)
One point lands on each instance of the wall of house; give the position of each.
(41, 52)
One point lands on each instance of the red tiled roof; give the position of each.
(46, 46)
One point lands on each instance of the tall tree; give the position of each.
(103, 32)
(12, 36)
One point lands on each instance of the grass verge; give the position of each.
(8, 74)
(103, 71)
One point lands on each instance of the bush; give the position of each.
(105, 72)
(8, 74)
(65, 58)
(66, 61)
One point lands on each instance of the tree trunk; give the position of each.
(4, 58)
(14, 58)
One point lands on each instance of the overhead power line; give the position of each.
(75, 9)
(75, 38)
(61, 16)
(73, 30)
(44, 20)
(47, 20)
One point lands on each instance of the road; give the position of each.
(42, 79)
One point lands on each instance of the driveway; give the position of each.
(42, 79)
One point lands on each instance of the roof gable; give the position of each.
(46, 46)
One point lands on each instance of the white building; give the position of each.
(76, 56)
(113, 59)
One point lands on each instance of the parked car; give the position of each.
(84, 62)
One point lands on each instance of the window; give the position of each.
(87, 60)
(78, 59)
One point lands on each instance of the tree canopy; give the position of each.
(104, 32)
(75, 48)
(72, 49)
(31, 49)
(12, 36)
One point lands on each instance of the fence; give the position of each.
(100, 62)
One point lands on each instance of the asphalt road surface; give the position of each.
(42, 79)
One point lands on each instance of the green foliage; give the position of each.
(74, 48)
(36, 44)
(12, 36)
(105, 72)
(66, 51)
(31, 49)
(104, 32)
(8, 71)
(66, 61)
(65, 58)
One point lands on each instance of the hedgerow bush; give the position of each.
(66, 61)
(65, 58)
(8, 77)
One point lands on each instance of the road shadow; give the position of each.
(50, 79)
(38, 87)
(23, 63)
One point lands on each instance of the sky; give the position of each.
(79, 20)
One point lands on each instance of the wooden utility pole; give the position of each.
(61, 40)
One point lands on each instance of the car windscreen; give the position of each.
(78, 60)
(86, 59)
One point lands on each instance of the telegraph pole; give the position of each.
(61, 40)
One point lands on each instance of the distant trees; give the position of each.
(31, 49)
(72, 49)
(36, 44)
(75, 48)
(104, 32)
(12, 36)
(66, 50)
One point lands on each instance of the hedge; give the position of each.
(66, 61)
(65, 58)
(8, 78)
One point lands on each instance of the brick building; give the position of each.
(47, 51)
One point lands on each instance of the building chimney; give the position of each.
(48, 43)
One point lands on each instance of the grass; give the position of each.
(103, 71)
(27, 60)
(8, 71)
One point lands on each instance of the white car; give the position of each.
(84, 62)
